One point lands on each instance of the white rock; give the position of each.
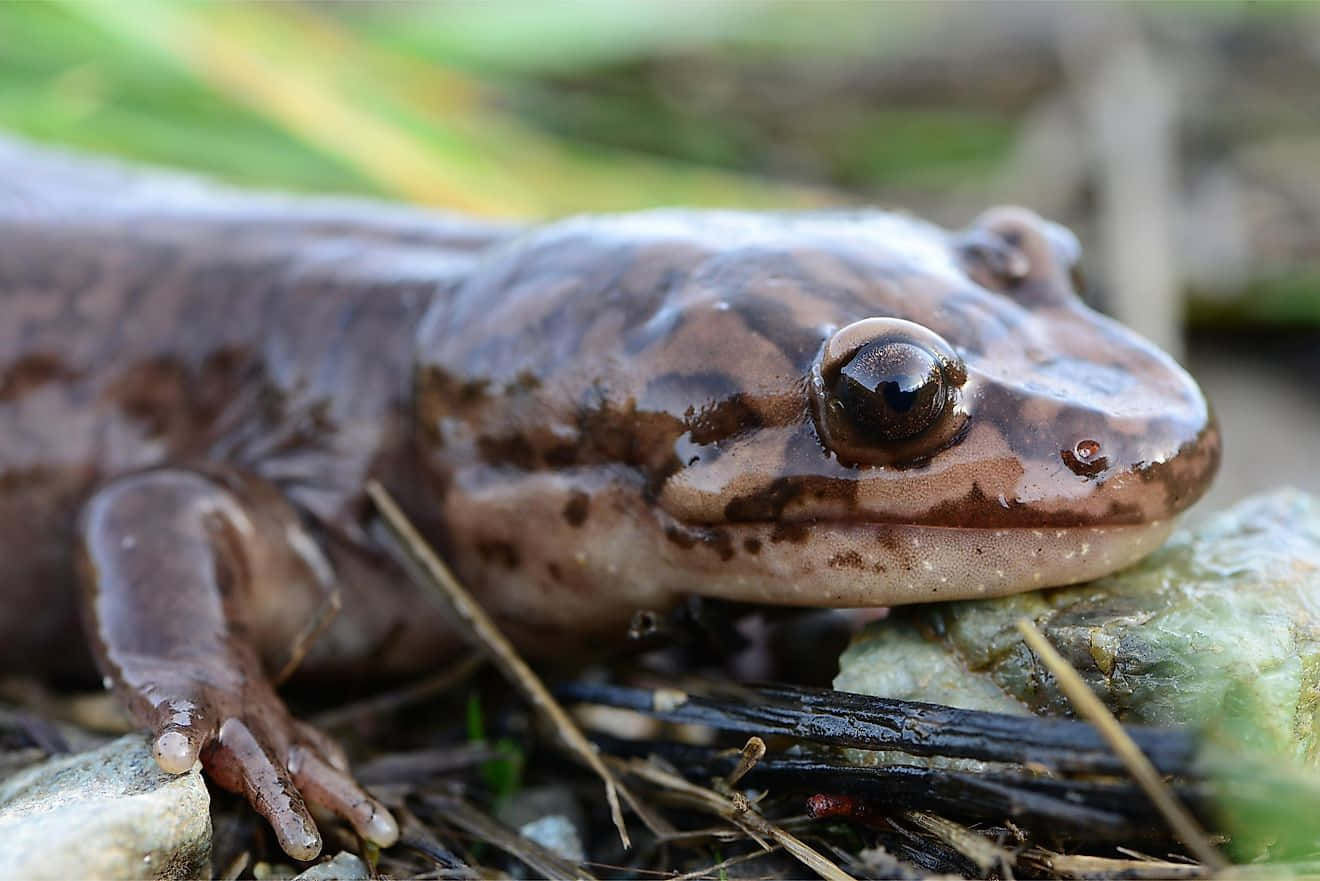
(344, 867)
(555, 833)
(109, 813)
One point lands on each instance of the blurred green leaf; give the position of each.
(1265, 799)
(526, 36)
(62, 80)
(1282, 300)
(290, 95)
(503, 776)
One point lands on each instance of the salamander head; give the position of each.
(828, 409)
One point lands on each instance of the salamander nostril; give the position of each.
(1086, 458)
(1086, 450)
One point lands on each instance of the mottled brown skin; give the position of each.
(592, 417)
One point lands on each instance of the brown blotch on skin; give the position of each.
(752, 545)
(976, 510)
(1183, 476)
(555, 572)
(793, 533)
(680, 537)
(440, 396)
(626, 434)
(498, 552)
(576, 509)
(474, 391)
(888, 539)
(155, 395)
(524, 382)
(28, 374)
(561, 456)
(512, 450)
(723, 419)
(717, 540)
(14, 479)
(765, 505)
(642, 439)
(443, 394)
(847, 560)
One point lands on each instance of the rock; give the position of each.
(107, 813)
(1220, 626)
(343, 867)
(549, 815)
(555, 833)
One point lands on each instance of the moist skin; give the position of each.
(596, 416)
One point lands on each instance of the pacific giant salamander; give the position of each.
(588, 417)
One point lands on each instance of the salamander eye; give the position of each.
(892, 390)
(886, 392)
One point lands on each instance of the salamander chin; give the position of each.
(847, 565)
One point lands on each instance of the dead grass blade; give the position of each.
(1058, 865)
(303, 642)
(985, 854)
(719, 870)
(738, 811)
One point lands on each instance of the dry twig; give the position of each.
(752, 752)
(839, 718)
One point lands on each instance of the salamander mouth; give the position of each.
(1136, 495)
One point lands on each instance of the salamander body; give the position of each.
(588, 417)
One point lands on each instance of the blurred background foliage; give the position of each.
(1180, 141)
(541, 109)
(531, 109)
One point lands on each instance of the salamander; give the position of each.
(586, 417)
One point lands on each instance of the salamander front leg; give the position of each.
(182, 574)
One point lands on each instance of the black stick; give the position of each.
(854, 720)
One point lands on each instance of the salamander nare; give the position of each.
(589, 417)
